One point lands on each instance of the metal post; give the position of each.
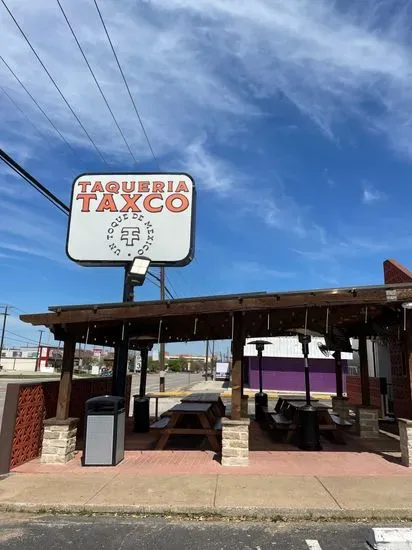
(338, 372)
(260, 372)
(38, 351)
(162, 381)
(122, 348)
(162, 349)
(144, 354)
(5, 314)
(307, 381)
(207, 358)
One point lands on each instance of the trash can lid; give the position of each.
(105, 399)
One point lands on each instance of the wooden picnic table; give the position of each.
(207, 397)
(286, 417)
(189, 419)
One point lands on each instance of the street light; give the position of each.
(261, 398)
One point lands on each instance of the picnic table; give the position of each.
(286, 417)
(219, 408)
(189, 419)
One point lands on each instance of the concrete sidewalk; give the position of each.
(214, 495)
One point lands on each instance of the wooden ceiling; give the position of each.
(370, 310)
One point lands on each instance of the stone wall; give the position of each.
(405, 436)
(367, 422)
(235, 442)
(59, 440)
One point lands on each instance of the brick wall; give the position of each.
(27, 405)
(354, 392)
(395, 273)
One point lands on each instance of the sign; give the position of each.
(115, 218)
(222, 371)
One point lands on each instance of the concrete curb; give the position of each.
(220, 513)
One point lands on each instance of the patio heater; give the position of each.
(308, 415)
(141, 403)
(261, 398)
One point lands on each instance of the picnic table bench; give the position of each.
(189, 419)
(286, 418)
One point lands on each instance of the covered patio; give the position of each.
(363, 312)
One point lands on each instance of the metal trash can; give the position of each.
(104, 431)
(141, 414)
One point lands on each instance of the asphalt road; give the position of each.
(172, 380)
(110, 533)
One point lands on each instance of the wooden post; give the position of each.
(339, 374)
(237, 363)
(65, 387)
(364, 371)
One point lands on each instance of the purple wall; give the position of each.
(286, 373)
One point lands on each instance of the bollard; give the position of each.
(162, 381)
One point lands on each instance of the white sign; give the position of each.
(115, 218)
(222, 371)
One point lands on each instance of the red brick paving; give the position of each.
(356, 458)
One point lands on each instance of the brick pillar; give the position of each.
(340, 407)
(235, 442)
(367, 422)
(59, 440)
(405, 435)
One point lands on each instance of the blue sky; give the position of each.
(292, 116)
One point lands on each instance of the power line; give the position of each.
(171, 284)
(33, 182)
(96, 81)
(20, 337)
(38, 106)
(49, 195)
(162, 269)
(22, 112)
(54, 83)
(125, 82)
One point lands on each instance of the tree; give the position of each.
(177, 365)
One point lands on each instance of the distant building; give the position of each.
(283, 365)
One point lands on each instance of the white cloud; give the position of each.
(28, 233)
(261, 271)
(198, 70)
(371, 195)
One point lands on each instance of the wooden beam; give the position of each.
(238, 343)
(364, 371)
(65, 386)
(339, 373)
(225, 304)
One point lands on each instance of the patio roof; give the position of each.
(369, 310)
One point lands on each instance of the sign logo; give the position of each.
(117, 217)
(130, 234)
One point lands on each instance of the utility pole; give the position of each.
(162, 297)
(38, 351)
(5, 314)
(207, 358)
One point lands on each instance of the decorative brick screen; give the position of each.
(29, 404)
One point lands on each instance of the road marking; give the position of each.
(313, 545)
